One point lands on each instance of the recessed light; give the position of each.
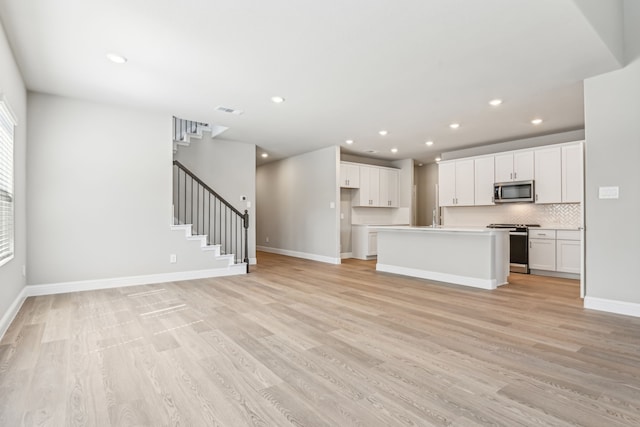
(536, 121)
(420, 164)
(429, 143)
(383, 132)
(495, 102)
(438, 159)
(277, 99)
(394, 150)
(349, 141)
(116, 59)
(454, 125)
(264, 155)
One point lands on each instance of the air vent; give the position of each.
(371, 151)
(228, 110)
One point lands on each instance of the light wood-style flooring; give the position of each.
(300, 343)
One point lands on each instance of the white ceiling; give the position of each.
(347, 68)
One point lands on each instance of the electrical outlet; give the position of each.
(24, 271)
(173, 258)
(267, 239)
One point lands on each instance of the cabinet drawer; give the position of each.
(568, 235)
(542, 234)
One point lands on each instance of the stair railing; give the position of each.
(195, 203)
(182, 127)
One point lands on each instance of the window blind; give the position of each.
(7, 124)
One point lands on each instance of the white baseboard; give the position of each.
(10, 314)
(612, 306)
(253, 261)
(440, 277)
(344, 255)
(119, 282)
(296, 254)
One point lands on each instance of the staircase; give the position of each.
(186, 130)
(202, 214)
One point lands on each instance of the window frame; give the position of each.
(7, 117)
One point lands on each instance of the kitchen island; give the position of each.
(469, 256)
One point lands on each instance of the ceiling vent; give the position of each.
(228, 110)
(371, 151)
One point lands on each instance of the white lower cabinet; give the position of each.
(542, 249)
(364, 244)
(568, 251)
(554, 250)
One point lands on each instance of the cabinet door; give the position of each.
(572, 174)
(369, 186)
(542, 254)
(503, 168)
(568, 256)
(349, 175)
(374, 186)
(389, 188)
(465, 188)
(483, 182)
(447, 183)
(523, 166)
(365, 187)
(548, 175)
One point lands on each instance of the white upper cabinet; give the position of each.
(369, 186)
(349, 175)
(447, 183)
(548, 171)
(515, 166)
(484, 180)
(378, 187)
(389, 179)
(572, 173)
(456, 183)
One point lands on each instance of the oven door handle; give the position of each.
(517, 233)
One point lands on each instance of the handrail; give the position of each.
(210, 214)
(209, 189)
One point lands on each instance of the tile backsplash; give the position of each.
(565, 215)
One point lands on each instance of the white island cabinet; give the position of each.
(477, 257)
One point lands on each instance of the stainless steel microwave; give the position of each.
(511, 192)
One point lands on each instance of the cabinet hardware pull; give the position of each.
(511, 175)
(515, 175)
(530, 245)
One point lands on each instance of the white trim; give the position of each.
(344, 255)
(10, 314)
(612, 306)
(120, 282)
(253, 261)
(440, 277)
(296, 254)
(7, 106)
(559, 274)
(7, 259)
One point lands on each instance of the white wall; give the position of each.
(229, 168)
(12, 88)
(100, 193)
(293, 205)
(612, 152)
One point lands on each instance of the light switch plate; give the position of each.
(332, 205)
(608, 192)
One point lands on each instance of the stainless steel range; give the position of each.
(519, 245)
